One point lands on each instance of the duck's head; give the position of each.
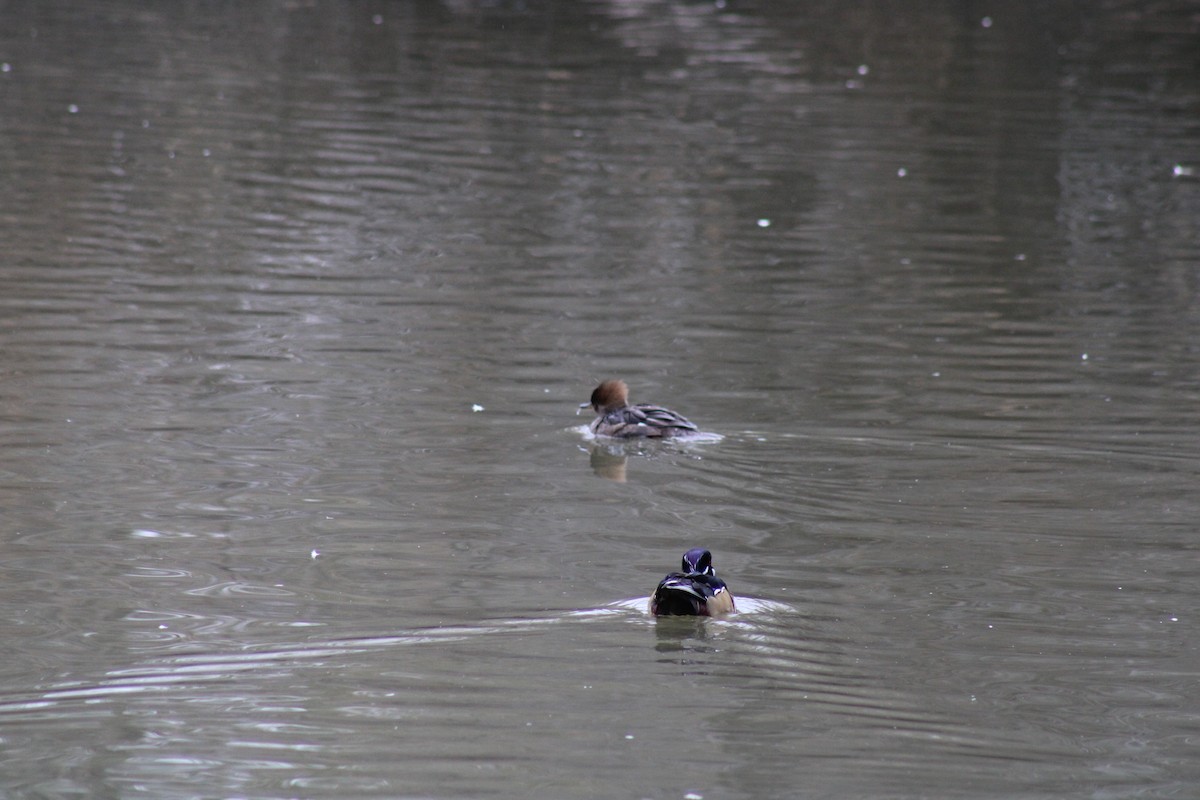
(608, 396)
(698, 561)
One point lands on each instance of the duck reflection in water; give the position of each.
(609, 461)
(694, 591)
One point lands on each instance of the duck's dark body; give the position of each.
(696, 591)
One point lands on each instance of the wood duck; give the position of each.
(695, 591)
(619, 419)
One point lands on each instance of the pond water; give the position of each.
(298, 301)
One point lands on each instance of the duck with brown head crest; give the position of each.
(619, 419)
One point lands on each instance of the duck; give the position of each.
(620, 420)
(694, 591)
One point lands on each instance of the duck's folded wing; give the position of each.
(677, 595)
(685, 584)
(659, 417)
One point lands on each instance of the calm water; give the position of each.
(297, 301)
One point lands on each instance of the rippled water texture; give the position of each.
(298, 300)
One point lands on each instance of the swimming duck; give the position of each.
(695, 591)
(619, 419)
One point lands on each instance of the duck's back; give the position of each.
(691, 595)
(643, 421)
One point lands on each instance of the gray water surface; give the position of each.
(298, 300)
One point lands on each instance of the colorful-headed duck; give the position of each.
(696, 591)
